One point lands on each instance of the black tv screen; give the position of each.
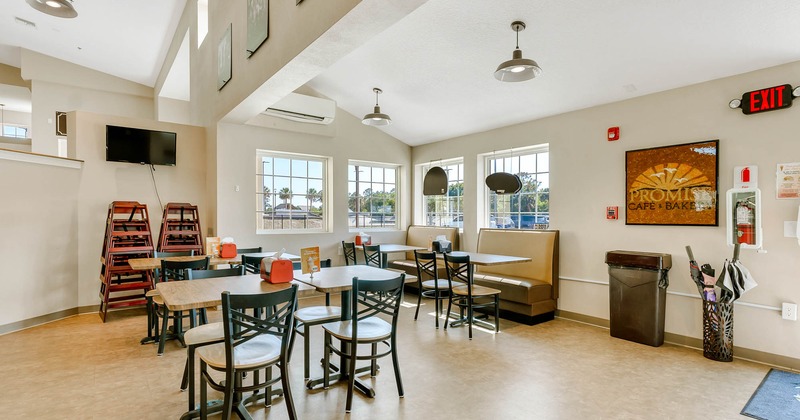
(136, 145)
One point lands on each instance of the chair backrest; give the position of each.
(273, 314)
(225, 272)
(376, 297)
(297, 265)
(459, 269)
(255, 250)
(177, 270)
(251, 265)
(165, 254)
(426, 265)
(349, 249)
(372, 255)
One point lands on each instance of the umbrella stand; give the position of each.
(718, 330)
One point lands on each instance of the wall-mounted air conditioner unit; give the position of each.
(303, 108)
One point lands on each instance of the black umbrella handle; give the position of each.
(689, 252)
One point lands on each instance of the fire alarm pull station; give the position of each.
(612, 213)
(613, 133)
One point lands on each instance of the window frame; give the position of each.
(448, 217)
(324, 197)
(17, 128)
(397, 196)
(516, 219)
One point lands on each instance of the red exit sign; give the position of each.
(769, 99)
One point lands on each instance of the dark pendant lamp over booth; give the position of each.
(435, 182)
(504, 183)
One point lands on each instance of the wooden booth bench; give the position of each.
(528, 291)
(422, 236)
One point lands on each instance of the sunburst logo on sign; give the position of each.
(671, 186)
(670, 177)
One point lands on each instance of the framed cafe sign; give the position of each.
(672, 185)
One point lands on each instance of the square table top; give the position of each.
(337, 279)
(477, 258)
(202, 293)
(154, 263)
(390, 248)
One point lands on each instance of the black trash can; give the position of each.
(638, 284)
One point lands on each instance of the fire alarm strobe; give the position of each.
(613, 133)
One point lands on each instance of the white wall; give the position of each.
(236, 152)
(588, 174)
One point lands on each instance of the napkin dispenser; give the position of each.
(277, 271)
(442, 247)
(227, 250)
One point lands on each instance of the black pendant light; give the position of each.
(435, 182)
(504, 183)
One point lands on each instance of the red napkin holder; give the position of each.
(280, 271)
(227, 250)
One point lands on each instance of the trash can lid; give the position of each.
(651, 260)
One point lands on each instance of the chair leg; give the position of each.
(163, 336)
(306, 352)
(203, 392)
(373, 363)
(437, 309)
(327, 299)
(351, 379)
(449, 306)
(185, 378)
(496, 313)
(469, 317)
(190, 376)
(419, 302)
(267, 390)
(227, 403)
(396, 364)
(292, 337)
(287, 390)
(326, 362)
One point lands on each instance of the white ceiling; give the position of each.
(124, 38)
(435, 66)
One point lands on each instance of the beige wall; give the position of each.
(236, 153)
(588, 174)
(103, 182)
(39, 244)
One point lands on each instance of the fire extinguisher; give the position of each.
(745, 223)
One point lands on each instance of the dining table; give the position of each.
(340, 280)
(202, 293)
(387, 249)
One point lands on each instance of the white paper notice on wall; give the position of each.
(787, 179)
(745, 177)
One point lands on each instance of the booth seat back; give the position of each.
(423, 235)
(541, 246)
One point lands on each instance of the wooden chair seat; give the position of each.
(206, 333)
(476, 291)
(318, 314)
(369, 329)
(261, 350)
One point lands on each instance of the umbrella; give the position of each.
(694, 271)
(735, 279)
(709, 280)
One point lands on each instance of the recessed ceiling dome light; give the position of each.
(376, 118)
(57, 8)
(517, 69)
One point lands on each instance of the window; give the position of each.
(15, 131)
(372, 195)
(202, 21)
(291, 193)
(446, 210)
(530, 207)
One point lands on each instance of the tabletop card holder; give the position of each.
(277, 271)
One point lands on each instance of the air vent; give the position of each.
(303, 108)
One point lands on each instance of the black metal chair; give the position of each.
(469, 296)
(372, 255)
(176, 271)
(370, 298)
(349, 250)
(251, 343)
(152, 319)
(252, 265)
(203, 335)
(305, 318)
(255, 250)
(434, 288)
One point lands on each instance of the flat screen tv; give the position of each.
(136, 145)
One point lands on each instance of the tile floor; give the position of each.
(80, 368)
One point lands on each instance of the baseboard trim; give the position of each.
(39, 320)
(742, 353)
